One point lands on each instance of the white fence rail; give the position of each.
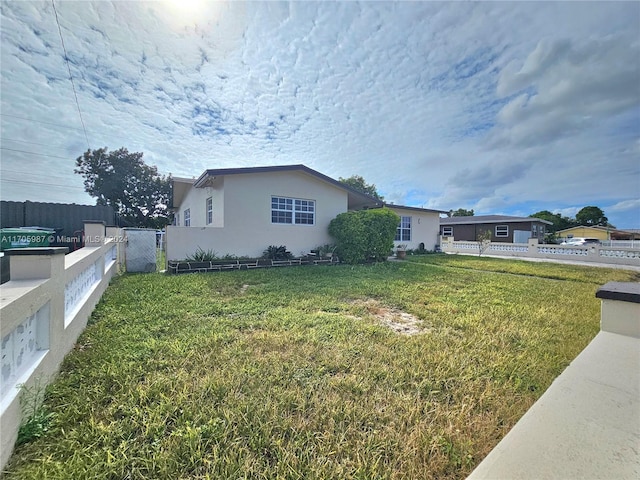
(44, 308)
(621, 243)
(588, 253)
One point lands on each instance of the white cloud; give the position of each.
(626, 205)
(501, 106)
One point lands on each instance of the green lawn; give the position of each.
(289, 373)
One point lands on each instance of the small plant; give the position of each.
(202, 256)
(35, 416)
(230, 256)
(326, 250)
(484, 240)
(276, 253)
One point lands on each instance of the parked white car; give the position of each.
(579, 241)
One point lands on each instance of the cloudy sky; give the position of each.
(503, 107)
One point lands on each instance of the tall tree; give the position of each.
(120, 179)
(591, 216)
(559, 222)
(358, 183)
(461, 212)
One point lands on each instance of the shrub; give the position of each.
(276, 253)
(325, 250)
(365, 234)
(202, 256)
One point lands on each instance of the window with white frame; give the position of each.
(187, 217)
(293, 211)
(403, 234)
(502, 230)
(447, 231)
(209, 208)
(534, 230)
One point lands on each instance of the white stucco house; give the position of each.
(241, 211)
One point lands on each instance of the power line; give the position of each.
(33, 174)
(27, 182)
(33, 153)
(24, 141)
(38, 121)
(66, 59)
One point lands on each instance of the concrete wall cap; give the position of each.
(37, 251)
(622, 291)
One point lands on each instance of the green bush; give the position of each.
(276, 253)
(364, 235)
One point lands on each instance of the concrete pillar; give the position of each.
(37, 263)
(620, 310)
(41, 263)
(112, 232)
(94, 233)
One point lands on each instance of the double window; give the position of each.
(209, 208)
(447, 231)
(293, 211)
(403, 234)
(502, 231)
(187, 217)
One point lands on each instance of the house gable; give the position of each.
(356, 199)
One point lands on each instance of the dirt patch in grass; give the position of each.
(395, 319)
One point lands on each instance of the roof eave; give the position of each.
(417, 209)
(502, 220)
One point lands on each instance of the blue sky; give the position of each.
(503, 107)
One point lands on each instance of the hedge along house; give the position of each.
(503, 228)
(241, 211)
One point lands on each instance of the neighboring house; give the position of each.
(503, 228)
(601, 233)
(241, 211)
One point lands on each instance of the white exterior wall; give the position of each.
(425, 228)
(196, 199)
(246, 212)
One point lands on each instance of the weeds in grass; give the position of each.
(36, 418)
(277, 374)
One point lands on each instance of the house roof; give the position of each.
(356, 198)
(591, 227)
(476, 219)
(415, 209)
